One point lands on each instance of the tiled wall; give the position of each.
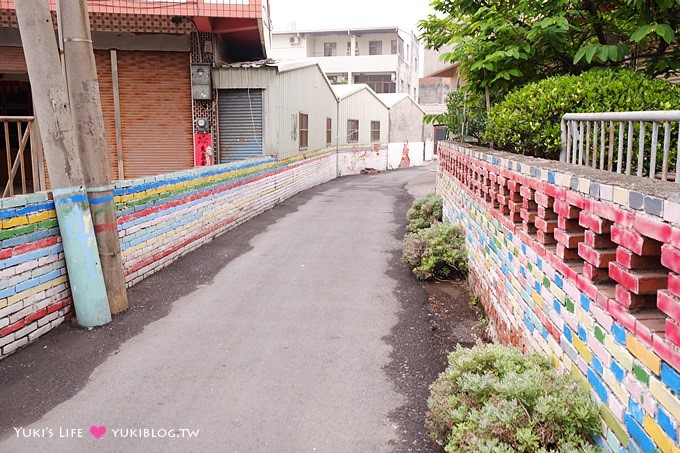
(159, 219)
(584, 268)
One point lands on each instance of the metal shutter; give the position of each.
(240, 116)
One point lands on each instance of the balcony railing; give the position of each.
(24, 172)
(639, 143)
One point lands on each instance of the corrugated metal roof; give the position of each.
(392, 99)
(281, 65)
(338, 30)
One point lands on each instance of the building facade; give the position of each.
(386, 59)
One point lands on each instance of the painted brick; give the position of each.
(565, 209)
(597, 241)
(595, 223)
(599, 258)
(652, 228)
(666, 351)
(568, 239)
(674, 284)
(670, 377)
(643, 354)
(638, 433)
(638, 282)
(635, 242)
(670, 258)
(630, 260)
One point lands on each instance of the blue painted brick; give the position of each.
(641, 437)
(557, 306)
(666, 424)
(618, 372)
(7, 213)
(523, 271)
(524, 249)
(544, 332)
(27, 284)
(598, 385)
(551, 177)
(537, 286)
(539, 263)
(619, 333)
(582, 334)
(7, 292)
(597, 365)
(670, 377)
(585, 302)
(567, 333)
(528, 323)
(636, 411)
(558, 280)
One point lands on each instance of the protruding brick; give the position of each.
(669, 304)
(652, 228)
(545, 238)
(632, 240)
(565, 253)
(597, 241)
(546, 213)
(568, 239)
(594, 274)
(544, 200)
(565, 209)
(594, 222)
(640, 282)
(547, 226)
(566, 224)
(672, 332)
(674, 284)
(599, 258)
(670, 258)
(630, 260)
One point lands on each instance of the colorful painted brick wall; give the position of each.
(34, 292)
(159, 219)
(582, 266)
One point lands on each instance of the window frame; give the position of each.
(330, 49)
(372, 49)
(329, 131)
(303, 132)
(352, 133)
(373, 131)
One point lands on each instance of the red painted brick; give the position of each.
(632, 240)
(546, 213)
(12, 327)
(6, 253)
(46, 242)
(587, 287)
(575, 199)
(630, 260)
(563, 268)
(653, 228)
(670, 258)
(566, 210)
(565, 253)
(528, 216)
(593, 222)
(529, 205)
(544, 200)
(599, 258)
(669, 304)
(568, 224)
(594, 274)
(666, 351)
(35, 316)
(514, 206)
(569, 239)
(559, 193)
(514, 186)
(638, 282)
(545, 238)
(540, 249)
(674, 283)
(649, 322)
(545, 225)
(526, 192)
(630, 300)
(597, 241)
(622, 315)
(672, 332)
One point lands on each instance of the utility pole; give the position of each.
(83, 89)
(53, 111)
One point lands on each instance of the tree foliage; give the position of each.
(502, 45)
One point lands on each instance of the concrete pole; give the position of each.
(83, 88)
(53, 111)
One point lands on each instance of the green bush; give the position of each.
(494, 398)
(424, 212)
(436, 252)
(528, 120)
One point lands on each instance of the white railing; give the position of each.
(638, 143)
(24, 172)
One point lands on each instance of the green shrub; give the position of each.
(424, 212)
(436, 252)
(528, 120)
(494, 398)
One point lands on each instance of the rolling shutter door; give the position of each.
(240, 116)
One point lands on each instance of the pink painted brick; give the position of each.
(672, 332)
(630, 260)
(600, 351)
(598, 241)
(654, 229)
(642, 282)
(633, 386)
(667, 351)
(669, 304)
(670, 258)
(599, 258)
(632, 240)
(575, 199)
(565, 209)
(622, 315)
(594, 222)
(674, 283)
(601, 316)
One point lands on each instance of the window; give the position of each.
(329, 131)
(380, 83)
(304, 131)
(349, 47)
(329, 49)
(375, 131)
(375, 47)
(393, 47)
(352, 131)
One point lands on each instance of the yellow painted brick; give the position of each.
(614, 385)
(620, 195)
(651, 360)
(614, 425)
(40, 216)
(580, 378)
(583, 185)
(621, 354)
(582, 348)
(664, 397)
(36, 289)
(3, 302)
(537, 298)
(659, 437)
(14, 221)
(584, 317)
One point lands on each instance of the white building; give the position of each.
(384, 58)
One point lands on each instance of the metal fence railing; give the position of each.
(639, 143)
(23, 171)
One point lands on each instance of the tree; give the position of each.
(503, 44)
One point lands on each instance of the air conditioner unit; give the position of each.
(294, 40)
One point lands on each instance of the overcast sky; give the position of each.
(318, 14)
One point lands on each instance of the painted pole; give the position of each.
(82, 263)
(53, 111)
(83, 89)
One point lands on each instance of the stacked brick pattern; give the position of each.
(159, 219)
(34, 293)
(586, 273)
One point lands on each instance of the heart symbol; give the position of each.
(98, 431)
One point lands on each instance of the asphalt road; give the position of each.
(274, 343)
